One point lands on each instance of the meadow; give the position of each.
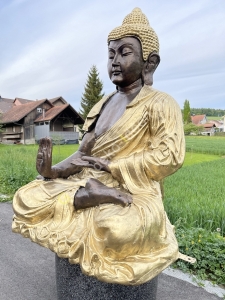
(17, 164)
(214, 118)
(195, 193)
(206, 144)
(194, 201)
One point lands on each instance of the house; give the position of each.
(209, 129)
(198, 119)
(27, 121)
(219, 125)
(201, 120)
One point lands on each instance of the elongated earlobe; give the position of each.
(149, 68)
(147, 76)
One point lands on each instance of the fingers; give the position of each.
(85, 160)
(92, 162)
(45, 148)
(40, 155)
(81, 163)
(44, 157)
(91, 159)
(45, 143)
(127, 201)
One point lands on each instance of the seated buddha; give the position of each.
(102, 207)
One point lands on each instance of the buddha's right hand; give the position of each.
(44, 158)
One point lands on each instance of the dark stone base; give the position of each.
(72, 284)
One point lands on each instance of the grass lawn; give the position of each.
(206, 144)
(214, 118)
(197, 182)
(18, 164)
(196, 195)
(192, 158)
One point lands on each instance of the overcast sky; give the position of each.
(48, 47)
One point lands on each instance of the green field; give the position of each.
(17, 164)
(214, 118)
(206, 144)
(192, 158)
(195, 193)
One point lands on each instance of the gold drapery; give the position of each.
(127, 245)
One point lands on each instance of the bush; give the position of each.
(209, 250)
(220, 134)
(192, 129)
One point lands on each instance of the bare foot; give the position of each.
(95, 193)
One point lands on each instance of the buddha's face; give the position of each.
(125, 61)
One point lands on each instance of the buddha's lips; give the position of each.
(116, 72)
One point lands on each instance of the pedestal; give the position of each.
(72, 284)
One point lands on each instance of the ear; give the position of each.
(153, 60)
(149, 68)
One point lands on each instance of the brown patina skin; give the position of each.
(127, 70)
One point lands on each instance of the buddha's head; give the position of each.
(133, 50)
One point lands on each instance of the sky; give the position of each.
(48, 47)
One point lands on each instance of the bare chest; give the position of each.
(111, 113)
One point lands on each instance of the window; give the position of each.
(39, 109)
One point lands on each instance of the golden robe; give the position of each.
(126, 245)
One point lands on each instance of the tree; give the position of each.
(187, 112)
(190, 128)
(92, 92)
(0, 127)
(210, 112)
(0, 122)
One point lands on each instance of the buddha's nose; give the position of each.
(115, 64)
(115, 61)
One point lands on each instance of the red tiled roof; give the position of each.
(5, 104)
(197, 119)
(208, 125)
(23, 101)
(56, 98)
(51, 113)
(16, 113)
(217, 123)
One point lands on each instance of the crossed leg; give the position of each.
(95, 193)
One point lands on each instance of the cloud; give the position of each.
(49, 47)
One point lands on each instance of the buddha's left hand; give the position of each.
(92, 162)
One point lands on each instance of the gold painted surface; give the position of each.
(127, 245)
(136, 24)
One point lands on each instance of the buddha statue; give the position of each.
(102, 207)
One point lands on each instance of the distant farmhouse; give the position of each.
(27, 121)
(210, 127)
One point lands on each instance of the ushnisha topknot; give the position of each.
(136, 24)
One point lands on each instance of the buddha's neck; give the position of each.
(132, 88)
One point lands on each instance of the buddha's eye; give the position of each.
(111, 55)
(126, 51)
